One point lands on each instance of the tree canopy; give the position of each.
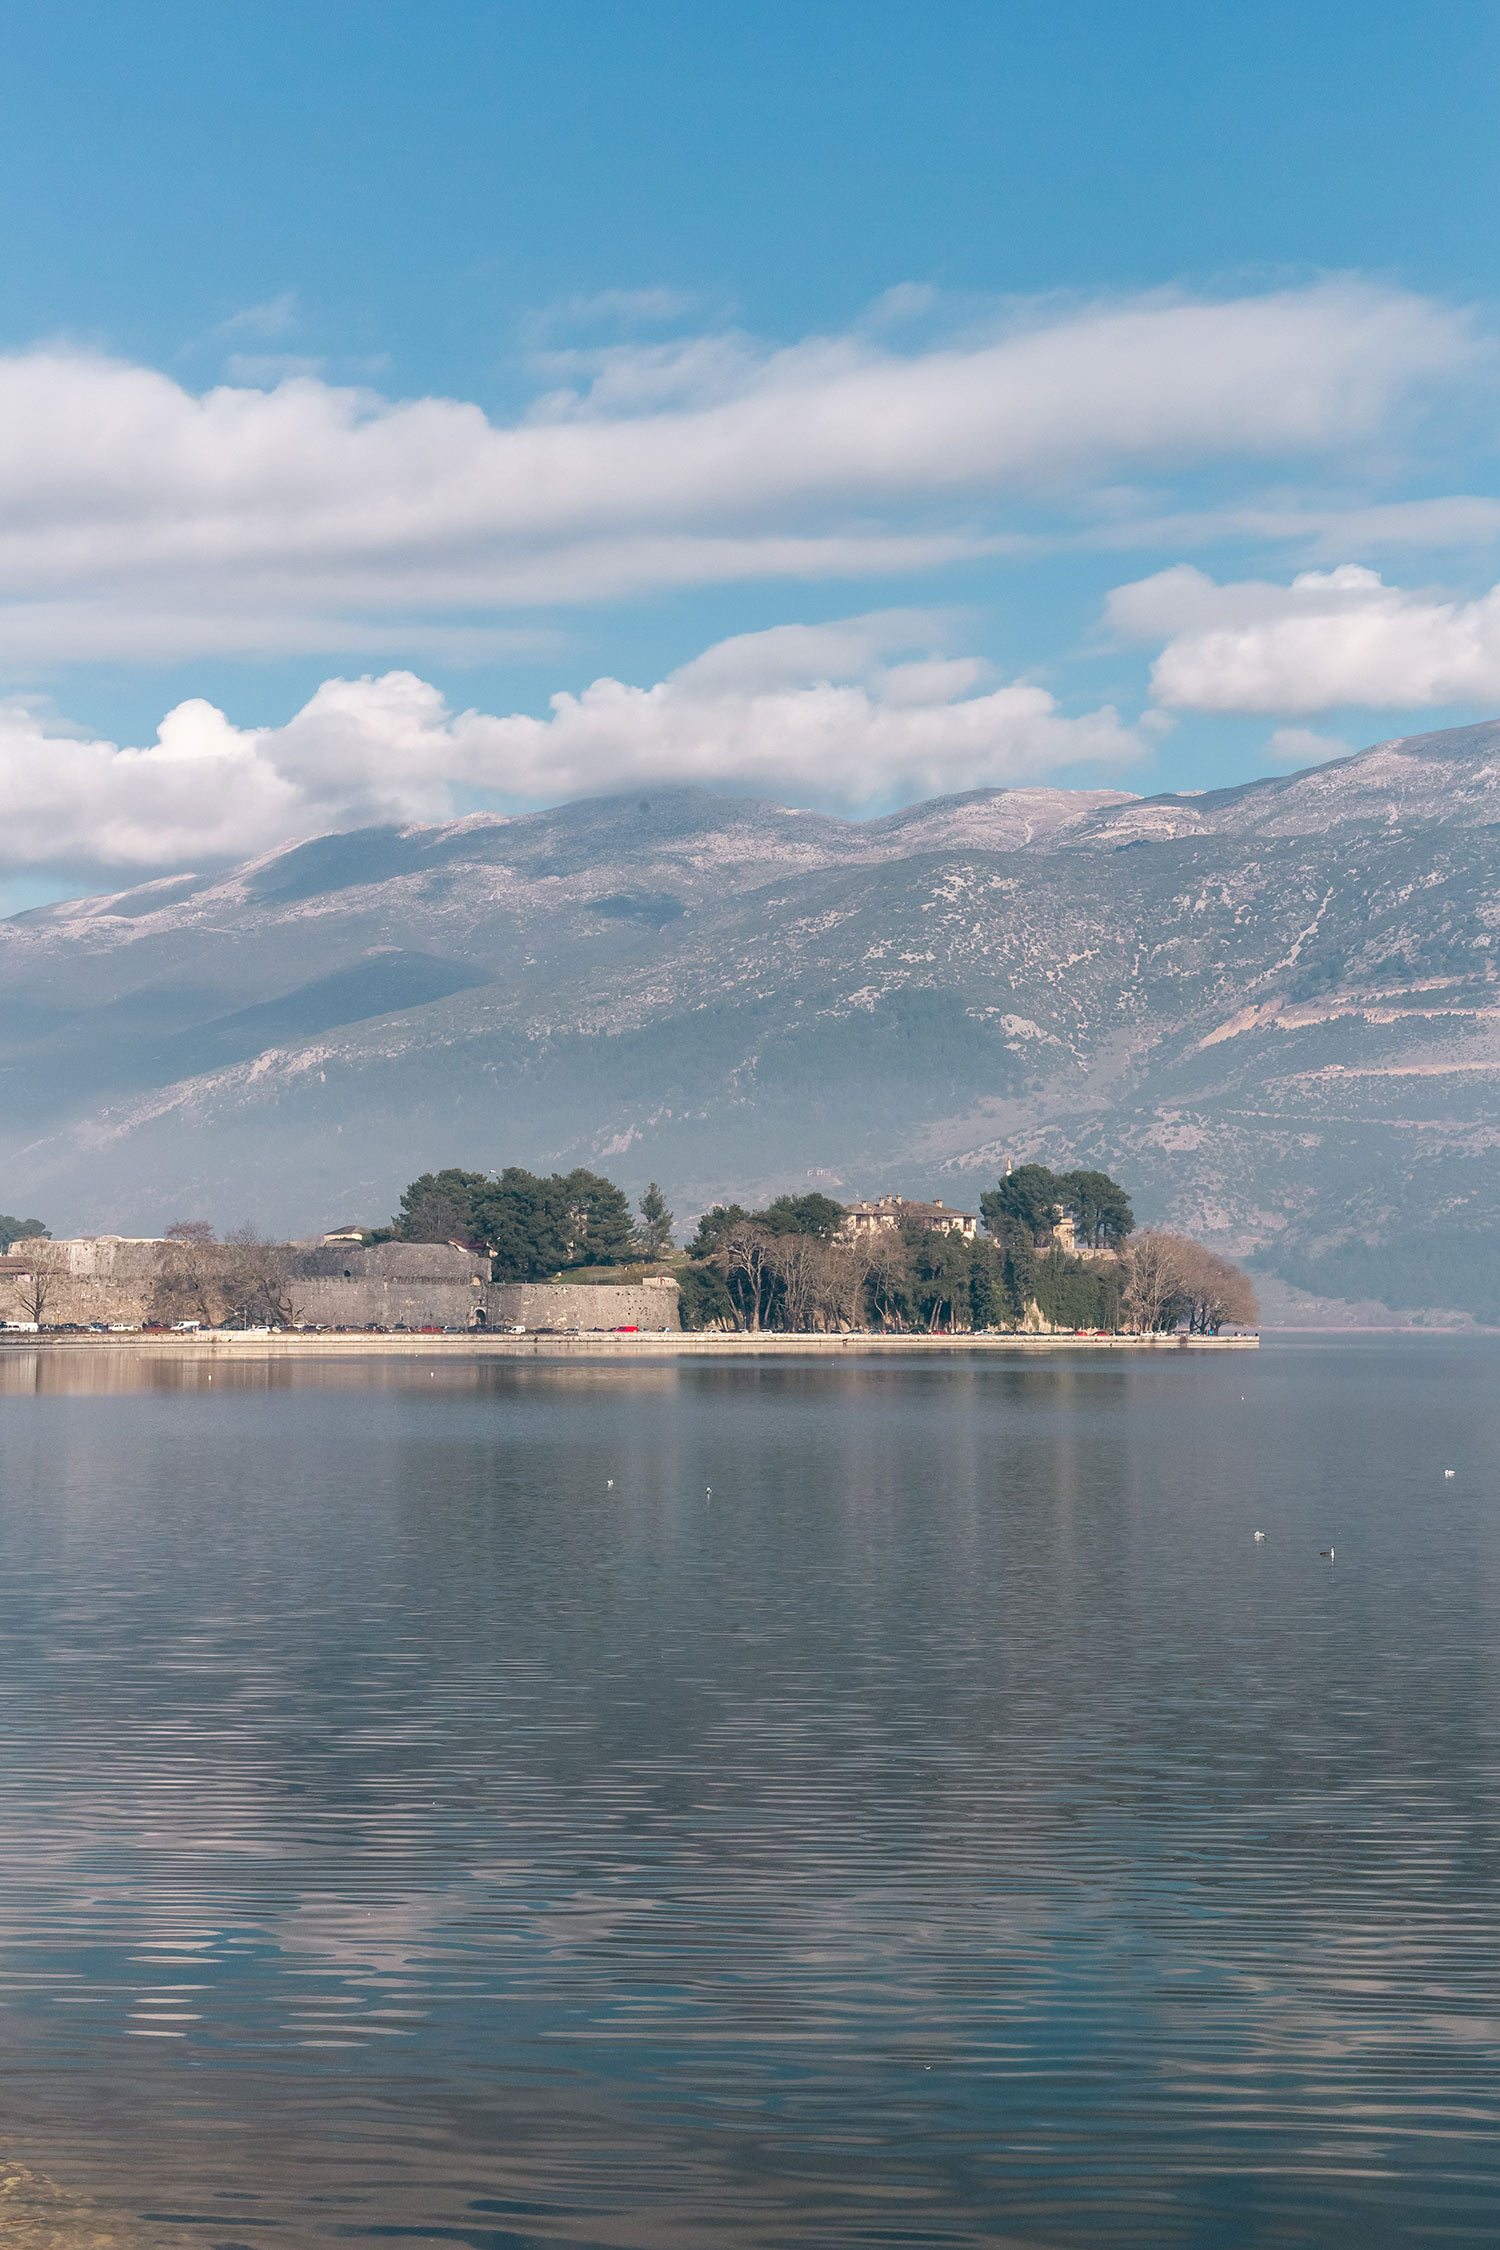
(656, 1225)
(1028, 1200)
(785, 1214)
(803, 1214)
(1099, 1207)
(530, 1226)
(19, 1230)
(714, 1225)
(439, 1207)
(791, 1267)
(1178, 1283)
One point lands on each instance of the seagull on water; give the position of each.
(609, 1484)
(1258, 1535)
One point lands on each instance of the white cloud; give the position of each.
(128, 504)
(1331, 639)
(655, 307)
(1321, 532)
(278, 316)
(615, 381)
(263, 370)
(1452, 520)
(852, 713)
(197, 792)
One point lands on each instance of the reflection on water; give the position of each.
(955, 1831)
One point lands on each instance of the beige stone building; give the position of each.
(1065, 1238)
(892, 1211)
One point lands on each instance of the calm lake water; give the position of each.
(958, 1830)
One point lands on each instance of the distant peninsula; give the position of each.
(1271, 1008)
(1048, 1254)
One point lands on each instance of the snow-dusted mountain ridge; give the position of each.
(1273, 1007)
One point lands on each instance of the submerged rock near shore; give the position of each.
(37, 2214)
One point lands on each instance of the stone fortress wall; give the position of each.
(393, 1285)
(558, 1304)
(118, 1280)
(108, 1277)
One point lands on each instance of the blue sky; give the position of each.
(877, 401)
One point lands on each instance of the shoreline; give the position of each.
(692, 1344)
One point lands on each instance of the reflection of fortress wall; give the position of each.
(556, 1304)
(100, 1277)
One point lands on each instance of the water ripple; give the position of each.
(957, 1833)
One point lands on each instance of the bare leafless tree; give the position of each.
(257, 1281)
(815, 1285)
(795, 1260)
(886, 1273)
(846, 1275)
(1214, 1291)
(745, 1252)
(1153, 1293)
(46, 1271)
(190, 1279)
(1175, 1282)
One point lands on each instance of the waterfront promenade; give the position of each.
(667, 1344)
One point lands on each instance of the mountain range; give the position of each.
(1273, 1010)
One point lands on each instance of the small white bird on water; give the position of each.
(609, 1484)
(708, 1492)
(1259, 1535)
(1450, 1472)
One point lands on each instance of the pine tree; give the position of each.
(656, 1223)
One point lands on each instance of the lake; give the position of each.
(428, 1814)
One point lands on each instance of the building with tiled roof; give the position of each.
(892, 1211)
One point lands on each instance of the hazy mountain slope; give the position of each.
(1273, 1007)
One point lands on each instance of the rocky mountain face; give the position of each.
(1274, 1010)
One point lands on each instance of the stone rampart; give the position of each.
(558, 1304)
(119, 1280)
(108, 1277)
(393, 1285)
